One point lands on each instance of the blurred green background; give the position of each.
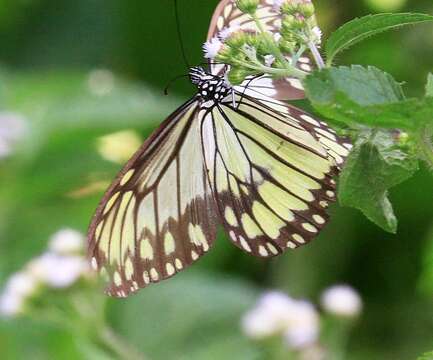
(53, 52)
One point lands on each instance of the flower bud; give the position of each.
(287, 47)
(307, 10)
(236, 75)
(247, 6)
(237, 40)
(289, 8)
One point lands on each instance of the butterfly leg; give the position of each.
(233, 99)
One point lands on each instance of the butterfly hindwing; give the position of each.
(158, 217)
(272, 178)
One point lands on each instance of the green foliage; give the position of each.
(426, 356)
(429, 86)
(362, 97)
(366, 96)
(202, 323)
(360, 29)
(375, 165)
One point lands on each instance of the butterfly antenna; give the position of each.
(179, 34)
(172, 81)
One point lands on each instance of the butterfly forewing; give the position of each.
(159, 216)
(228, 17)
(272, 179)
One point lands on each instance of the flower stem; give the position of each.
(316, 54)
(271, 42)
(278, 72)
(425, 144)
(113, 342)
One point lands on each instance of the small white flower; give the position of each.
(101, 82)
(225, 33)
(276, 313)
(277, 5)
(212, 47)
(58, 271)
(258, 324)
(11, 304)
(67, 241)
(19, 286)
(342, 300)
(277, 37)
(269, 60)
(303, 326)
(268, 317)
(317, 35)
(22, 284)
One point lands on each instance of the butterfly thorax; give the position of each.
(210, 87)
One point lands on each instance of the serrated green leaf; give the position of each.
(429, 86)
(360, 29)
(374, 166)
(366, 96)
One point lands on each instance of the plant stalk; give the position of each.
(425, 144)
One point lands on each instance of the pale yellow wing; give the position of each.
(158, 217)
(271, 176)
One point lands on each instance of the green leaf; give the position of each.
(374, 166)
(360, 29)
(367, 96)
(429, 86)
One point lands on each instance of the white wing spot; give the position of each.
(318, 219)
(330, 194)
(263, 252)
(244, 244)
(298, 238)
(178, 264)
(272, 248)
(291, 245)
(324, 204)
(170, 269)
(194, 255)
(154, 274)
(310, 228)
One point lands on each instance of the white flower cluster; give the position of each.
(342, 301)
(60, 267)
(212, 47)
(298, 321)
(278, 314)
(13, 127)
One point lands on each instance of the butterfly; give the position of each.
(263, 169)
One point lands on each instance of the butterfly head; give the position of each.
(210, 87)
